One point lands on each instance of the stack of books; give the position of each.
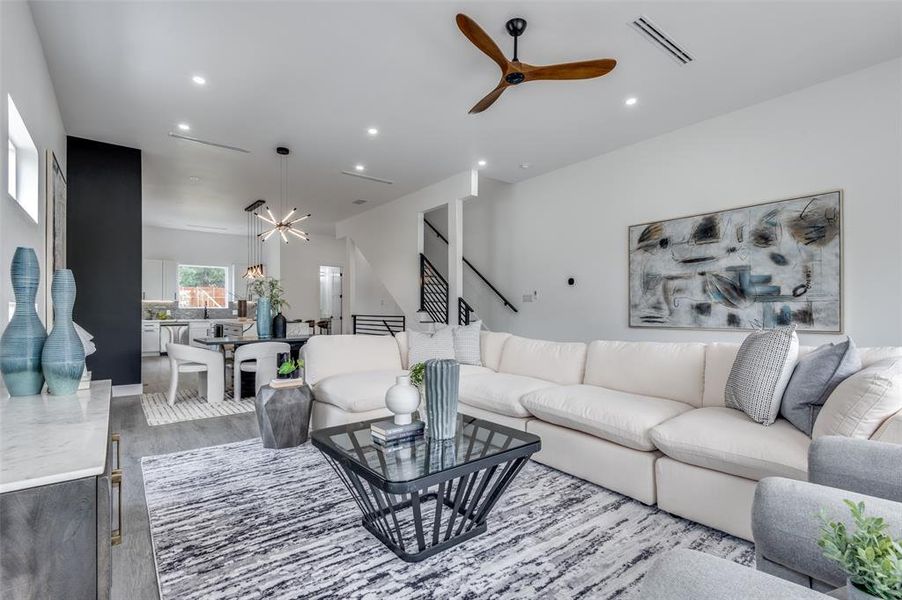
(388, 434)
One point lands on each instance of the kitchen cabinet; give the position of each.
(150, 338)
(159, 280)
(198, 330)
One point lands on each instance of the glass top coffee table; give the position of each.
(423, 498)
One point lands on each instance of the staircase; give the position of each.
(434, 289)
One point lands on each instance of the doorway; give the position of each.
(330, 300)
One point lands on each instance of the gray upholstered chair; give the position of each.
(784, 513)
(786, 528)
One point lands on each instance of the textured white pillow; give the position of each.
(466, 344)
(424, 346)
(761, 372)
(861, 403)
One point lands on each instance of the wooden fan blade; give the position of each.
(481, 40)
(586, 69)
(489, 99)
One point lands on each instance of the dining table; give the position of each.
(227, 342)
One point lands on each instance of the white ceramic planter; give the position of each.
(402, 399)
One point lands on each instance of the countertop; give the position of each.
(48, 439)
(210, 320)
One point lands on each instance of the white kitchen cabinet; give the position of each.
(152, 279)
(150, 338)
(170, 280)
(198, 330)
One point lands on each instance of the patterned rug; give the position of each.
(189, 407)
(241, 521)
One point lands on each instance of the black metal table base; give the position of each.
(423, 522)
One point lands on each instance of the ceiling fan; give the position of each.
(514, 72)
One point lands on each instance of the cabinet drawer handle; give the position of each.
(116, 534)
(117, 439)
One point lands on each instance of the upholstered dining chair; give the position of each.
(207, 365)
(259, 358)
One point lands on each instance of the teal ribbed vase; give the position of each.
(23, 339)
(442, 380)
(64, 354)
(264, 318)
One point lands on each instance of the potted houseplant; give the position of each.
(417, 374)
(871, 558)
(270, 301)
(290, 368)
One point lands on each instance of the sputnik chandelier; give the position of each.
(285, 225)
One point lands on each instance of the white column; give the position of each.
(455, 257)
(272, 256)
(350, 286)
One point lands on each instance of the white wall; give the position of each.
(24, 76)
(299, 272)
(370, 296)
(390, 236)
(845, 133)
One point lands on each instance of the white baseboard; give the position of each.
(134, 389)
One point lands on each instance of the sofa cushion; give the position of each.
(499, 392)
(491, 345)
(327, 355)
(467, 346)
(560, 362)
(860, 404)
(468, 370)
(660, 369)
(423, 346)
(619, 417)
(356, 392)
(727, 440)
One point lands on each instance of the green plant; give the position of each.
(269, 287)
(417, 372)
(290, 366)
(869, 556)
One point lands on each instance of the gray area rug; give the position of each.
(242, 521)
(189, 407)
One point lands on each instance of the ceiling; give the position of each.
(315, 76)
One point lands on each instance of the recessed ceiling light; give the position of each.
(481, 163)
(199, 80)
(359, 168)
(194, 179)
(184, 127)
(372, 131)
(631, 101)
(525, 165)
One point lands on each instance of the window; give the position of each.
(12, 170)
(22, 173)
(201, 286)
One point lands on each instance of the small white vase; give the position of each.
(402, 399)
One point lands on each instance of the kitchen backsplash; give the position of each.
(149, 310)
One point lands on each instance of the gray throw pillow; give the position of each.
(466, 344)
(760, 373)
(814, 379)
(424, 346)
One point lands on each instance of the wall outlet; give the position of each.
(234, 312)
(527, 297)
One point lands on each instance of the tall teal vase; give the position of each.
(23, 339)
(442, 380)
(63, 359)
(264, 318)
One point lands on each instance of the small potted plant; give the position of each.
(871, 558)
(417, 372)
(290, 368)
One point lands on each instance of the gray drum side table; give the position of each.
(283, 415)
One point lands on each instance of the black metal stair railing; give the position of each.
(501, 297)
(378, 324)
(433, 292)
(464, 311)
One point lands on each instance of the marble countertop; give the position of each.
(48, 439)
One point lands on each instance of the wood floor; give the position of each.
(134, 575)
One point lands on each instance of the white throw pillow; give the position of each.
(467, 349)
(761, 372)
(862, 402)
(424, 346)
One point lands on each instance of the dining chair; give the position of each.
(207, 365)
(259, 358)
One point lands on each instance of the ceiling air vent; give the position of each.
(656, 36)
(358, 202)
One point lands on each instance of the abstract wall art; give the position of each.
(766, 265)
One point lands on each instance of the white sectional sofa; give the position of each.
(645, 419)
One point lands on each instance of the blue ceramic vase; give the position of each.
(264, 318)
(64, 354)
(23, 339)
(442, 379)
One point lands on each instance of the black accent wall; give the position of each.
(103, 249)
